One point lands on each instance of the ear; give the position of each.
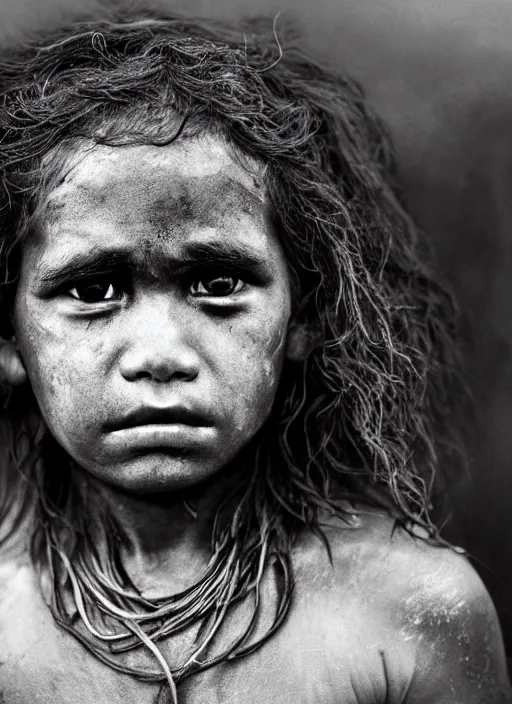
(302, 339)
(12, 369)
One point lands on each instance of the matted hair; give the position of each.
(368, 414)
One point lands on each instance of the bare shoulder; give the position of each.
(413, 573)
(423, 607)
(372, 549)
(23, 613)
(15, 571)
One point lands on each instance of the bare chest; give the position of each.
(287, 676)
(310, 660)
(328, 651)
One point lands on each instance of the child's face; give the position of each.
(152, 311)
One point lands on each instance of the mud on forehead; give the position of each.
(211, 176)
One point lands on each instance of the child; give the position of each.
(228, 372)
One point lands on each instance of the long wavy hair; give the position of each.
(369, 414)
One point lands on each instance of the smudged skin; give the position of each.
(155, 279)
(391, 621)
(157, 337)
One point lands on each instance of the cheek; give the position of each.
(59, 373)
(55, 384)
(266, 348)
(253, 369)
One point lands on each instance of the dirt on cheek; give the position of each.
(48, 361)
(254, 384)
(268, 348)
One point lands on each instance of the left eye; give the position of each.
(217, 286)
(95, 292)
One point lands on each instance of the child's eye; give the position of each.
(223, 285)
(96, 291)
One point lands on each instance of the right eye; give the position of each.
(96, 291)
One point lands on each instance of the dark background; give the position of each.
(440, 74)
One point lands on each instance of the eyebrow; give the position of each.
(157, 264)
(81, 265)
(237, 256)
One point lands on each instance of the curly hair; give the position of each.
(368, 414)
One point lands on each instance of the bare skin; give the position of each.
(141, 325)
(152, 312)
(391, 621)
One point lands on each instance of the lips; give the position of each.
(155, 429)
(171, 415)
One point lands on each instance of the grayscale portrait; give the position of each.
(239, 421)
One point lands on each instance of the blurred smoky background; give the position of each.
(440, 74)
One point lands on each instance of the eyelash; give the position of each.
(91, 284)
(108, 281)
(220, 275)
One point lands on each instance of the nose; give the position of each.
(157, 348)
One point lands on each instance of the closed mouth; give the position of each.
(159, 416)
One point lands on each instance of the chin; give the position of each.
(159, 473)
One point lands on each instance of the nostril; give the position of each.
(164, 376)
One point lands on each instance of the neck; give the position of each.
(165, 538)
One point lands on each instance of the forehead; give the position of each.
(154, 194)
(91, 167)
